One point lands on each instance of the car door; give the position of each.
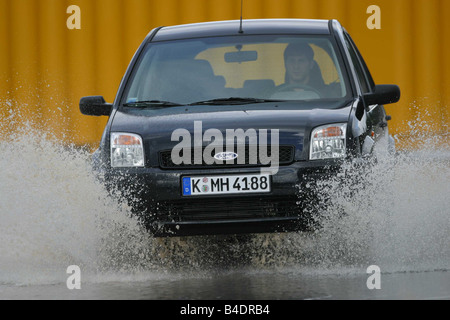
(377, 139)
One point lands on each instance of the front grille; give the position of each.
(228, 208)
(252, 158)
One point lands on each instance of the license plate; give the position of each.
(227, 184)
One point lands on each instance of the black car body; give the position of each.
(188, 86)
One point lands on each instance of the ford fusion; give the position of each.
(218, 127)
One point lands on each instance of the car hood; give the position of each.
(293, 121)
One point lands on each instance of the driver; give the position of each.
(301, 68)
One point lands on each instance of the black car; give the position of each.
(217, 127)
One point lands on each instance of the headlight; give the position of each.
(126, 150)
(328, 142)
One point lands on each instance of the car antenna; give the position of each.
(240, 26)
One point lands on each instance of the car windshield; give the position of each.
(240, 69)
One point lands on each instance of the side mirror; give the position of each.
(95, 106)
(383, 94)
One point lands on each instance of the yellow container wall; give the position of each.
(45, 68)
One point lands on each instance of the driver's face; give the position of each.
(298, 68)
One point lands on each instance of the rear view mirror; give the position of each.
(241, 56)
(95, 106)
(383, 94)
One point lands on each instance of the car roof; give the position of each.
(231, 27)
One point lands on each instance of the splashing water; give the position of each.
(396, 216)
(394, 213)
(54, 213)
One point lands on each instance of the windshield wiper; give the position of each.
(152, 103)
(232, 100)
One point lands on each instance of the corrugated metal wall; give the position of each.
(45, 68)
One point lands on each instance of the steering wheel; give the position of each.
(293, 86)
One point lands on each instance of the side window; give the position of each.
(363, 63)
(365, 87)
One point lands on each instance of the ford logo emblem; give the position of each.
(225, 156)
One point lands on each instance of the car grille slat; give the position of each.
(229, 208)
(286, 156)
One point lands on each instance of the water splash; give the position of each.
(394, 213)
(54, 213)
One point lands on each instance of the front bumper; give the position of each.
(165, 211)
